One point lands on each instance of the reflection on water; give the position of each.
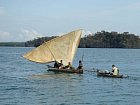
(27, 83)
(55, 76)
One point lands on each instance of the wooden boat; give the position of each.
(60, 48)
(73, 70)
(108, 74)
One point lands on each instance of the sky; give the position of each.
(23, 20)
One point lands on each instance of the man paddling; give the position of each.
(115, 70)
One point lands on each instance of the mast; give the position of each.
(51, 52)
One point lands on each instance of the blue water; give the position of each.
(27, 83)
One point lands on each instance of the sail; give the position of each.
(59, 48)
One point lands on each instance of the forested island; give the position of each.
(101, 39)
(105, 39)
(12, 44)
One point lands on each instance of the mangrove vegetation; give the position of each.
(101, 39)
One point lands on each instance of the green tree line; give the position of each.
(105, 39)
(101, 39)
(12, 44)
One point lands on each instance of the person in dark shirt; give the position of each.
(56, 64)
(69, 66)
(80, 65)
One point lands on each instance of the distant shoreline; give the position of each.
(22, 44)
(101, 39)
(12, 44)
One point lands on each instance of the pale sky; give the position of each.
(23, 20)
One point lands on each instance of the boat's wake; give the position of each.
(51, 75)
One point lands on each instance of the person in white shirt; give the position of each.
(60, 65)
(115, 70)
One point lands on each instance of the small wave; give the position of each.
(134, 78)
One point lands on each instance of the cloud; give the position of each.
(2, 11)
(29, 34)
(134, 6)
(4, 36)
(24, 35)
(122, 10)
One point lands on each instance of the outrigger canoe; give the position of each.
(108, 74)
(60, 48)
(78, 71)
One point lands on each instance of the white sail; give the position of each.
(59, 48)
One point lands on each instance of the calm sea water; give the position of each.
(26, 83)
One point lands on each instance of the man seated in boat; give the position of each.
(115, 70)
(56, 64)
(69, 66)
(80, 65)
(60, 65)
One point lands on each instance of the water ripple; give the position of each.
(27, 83)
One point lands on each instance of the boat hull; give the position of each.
(78, 71)
(104, 74)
